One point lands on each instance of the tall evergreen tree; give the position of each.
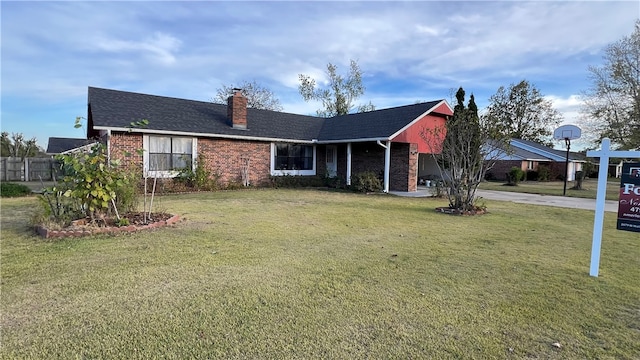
(467, 152)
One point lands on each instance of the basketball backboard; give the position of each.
(567, 132)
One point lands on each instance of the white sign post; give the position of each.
(604, 154)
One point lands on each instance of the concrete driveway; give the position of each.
(536, 199)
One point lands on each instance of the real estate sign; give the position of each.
(629, 202)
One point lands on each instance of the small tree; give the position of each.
(93, 180)
(258, 97)
(466, 153)
(339, 97)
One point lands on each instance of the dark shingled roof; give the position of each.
(562, 153)
(118, 109)
(373, 124)
(59, 145)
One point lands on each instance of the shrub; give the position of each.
(489, 176)
(515, 175)
(200, 178)
(336, 182)
(290, 181)
(438, 189)
(532, 175)
(57, 208)
(8, 189)
(127, 195)
(366, 182)
(544, 173)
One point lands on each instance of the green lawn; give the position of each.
(316, 274)
(589, 186)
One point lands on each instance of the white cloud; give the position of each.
(160, 46)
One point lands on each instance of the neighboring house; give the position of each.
(59, 145)
(529, 156)
(233, 138)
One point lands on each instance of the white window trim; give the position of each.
(166, 174)
(275, 172)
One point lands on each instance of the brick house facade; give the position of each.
(228, 138)
(531, 156)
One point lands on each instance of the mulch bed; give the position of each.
(450, 211)
(84, 227)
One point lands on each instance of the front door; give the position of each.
(332, 161)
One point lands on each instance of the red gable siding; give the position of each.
(428, 132)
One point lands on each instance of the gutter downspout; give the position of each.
(109, 146)
(387, 162)
(348, 164)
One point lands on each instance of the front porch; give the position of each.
(399, 165)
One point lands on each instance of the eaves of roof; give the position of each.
(115, 110)
(544, 151)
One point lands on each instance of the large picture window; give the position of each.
(168, 153)
(294, 157)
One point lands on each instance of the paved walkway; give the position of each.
(523, 198)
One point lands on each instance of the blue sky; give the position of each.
(408, 51)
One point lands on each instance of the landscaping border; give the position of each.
(58, 234)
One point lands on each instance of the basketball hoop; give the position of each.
(567, 133)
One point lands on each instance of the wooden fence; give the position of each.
(29, 169)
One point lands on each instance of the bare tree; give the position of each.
(258, 97)
(17, 146)
(339, 97)
(611, 105)
(464, 151)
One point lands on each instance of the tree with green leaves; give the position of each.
(258, 97)
(611, 105)
(464, 152)
(339, 97)
(521, 112)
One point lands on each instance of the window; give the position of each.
(530, 165)
(294, 157)
(167, 154)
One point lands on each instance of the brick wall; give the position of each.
(404, 167)
(403, 171)
(125, 147)
(367, 157)
(224, 158)
(501, 168)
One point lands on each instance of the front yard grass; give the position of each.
(318, 274)
(589, 188)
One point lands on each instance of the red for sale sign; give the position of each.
(629, 203)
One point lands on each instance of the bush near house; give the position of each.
(515, 175)
(366, 181)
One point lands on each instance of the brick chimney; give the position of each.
(237, 109)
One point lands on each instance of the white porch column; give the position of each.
(348, 163)
(387, 165)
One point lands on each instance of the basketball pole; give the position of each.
(567, 142)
